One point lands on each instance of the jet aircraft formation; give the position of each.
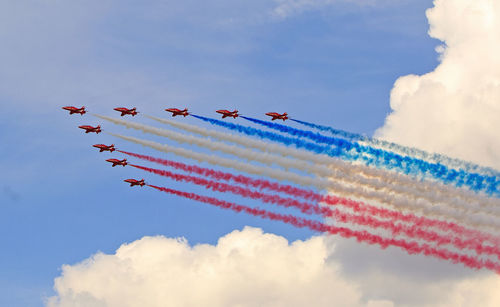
(133, 111)
(376, 192)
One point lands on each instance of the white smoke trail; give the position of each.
(230, 163)
(333, 173)
(249, 142)
(374, 178)
(244, 153)
(404, 150)
(480, 221)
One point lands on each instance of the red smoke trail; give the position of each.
(411, 247)
(328, 199)
(309, 208)
(256, 183)
(411, 218)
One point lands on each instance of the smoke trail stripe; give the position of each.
(329, 199)
(411, 247)
(389, 160)
(377, 179)
(405, 150)
(311, 208)
(266, 158)
(249, 142)
(396, 202)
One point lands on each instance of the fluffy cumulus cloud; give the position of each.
(454, 109)
(245, 268)
(250, 268)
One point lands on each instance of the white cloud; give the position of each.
(454, 109)
(250, 268)
(245, 268)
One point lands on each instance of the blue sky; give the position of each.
(60, 202)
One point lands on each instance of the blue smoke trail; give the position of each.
(319, 149)
(408, 165)
(410, 151)
(344, 149)
(338, 132)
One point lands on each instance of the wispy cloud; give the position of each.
(289, 8)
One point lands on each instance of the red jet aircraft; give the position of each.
(73, 110)
(226, 113)
(176, 112)
(135, 182)
(117, 162)
(90, 129)
(126, 111)
(103, 147)
(275, 115)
